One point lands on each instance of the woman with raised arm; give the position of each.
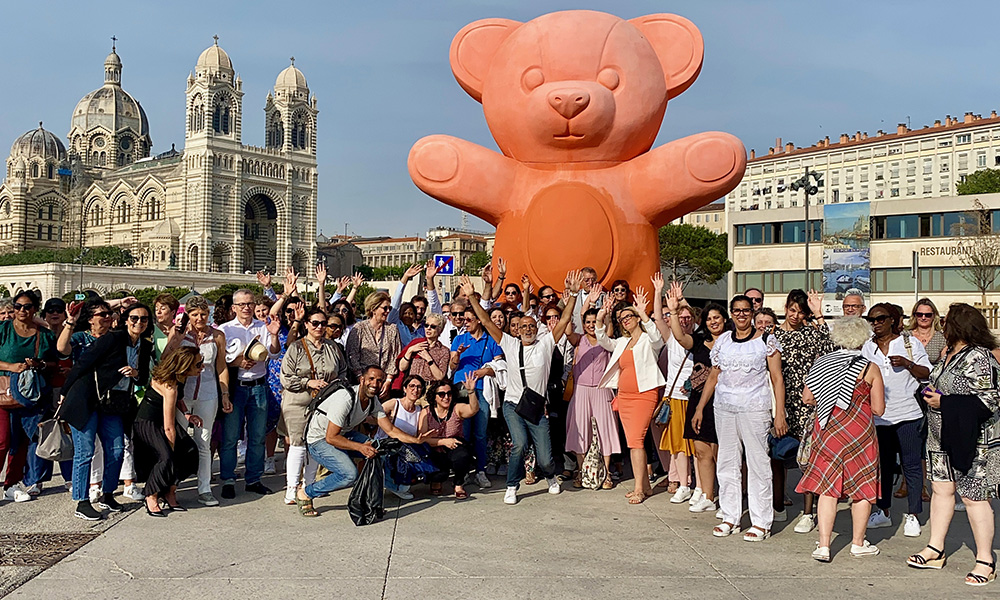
(589, 401)
(633, 371)
(529, 360)
(742, 362)
(374, 341)
(674, 361)
(164, 453)
(714, 322)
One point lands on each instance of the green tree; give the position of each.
(388, 273)
(109, 256)
(475, 263)
(979, 250)
(148, 294)
(359, 299)
(366, 271)
(694, 254)
(984, 181)
(229, 288)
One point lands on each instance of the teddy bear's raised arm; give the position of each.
(685, 174)
(463, 175)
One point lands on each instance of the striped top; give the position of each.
(832, 380)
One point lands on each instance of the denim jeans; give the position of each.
(38, 468)
(340, 464)
(249, 407)
(112, 433)
(474, 429)
(519, 432)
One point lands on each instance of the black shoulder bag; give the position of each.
(531, 406)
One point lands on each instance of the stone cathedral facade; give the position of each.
(217, 205)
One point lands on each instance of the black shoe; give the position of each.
(229, 491)
(87, 512)
(176, 507)
(159, 513)
(259, 488)
(109, 503)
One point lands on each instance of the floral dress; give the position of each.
(972, 371)
(274, 382)
(799, 349)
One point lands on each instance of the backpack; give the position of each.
(329, 390)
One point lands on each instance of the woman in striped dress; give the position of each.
(843, 460)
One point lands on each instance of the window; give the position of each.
(963, 138)
(980, 162)
(50, 168)
(891, 280)
(928, 166)
(911, 168)
(897, 227)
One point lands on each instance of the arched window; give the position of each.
(197, 114)
(34, 170)
(123, 212)
(50, 171)
(104, 159)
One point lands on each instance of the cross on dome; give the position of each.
(114, 42)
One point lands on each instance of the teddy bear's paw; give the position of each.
(713, 158)
(436, 161)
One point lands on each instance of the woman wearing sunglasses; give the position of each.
(309, 365)
(99, 399)
(427, 357)
(925, 325)
(443, 419)
(165, 453)
(900, 430)
(633, 371)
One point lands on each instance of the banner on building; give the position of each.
(846, 255)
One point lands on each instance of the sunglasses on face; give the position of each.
(925, 315)
(431, 326)
(551, 317)
(878, 319)
(317, 323)
(342, 310)
(457, 314)
(742, 311)
(757, 300)
(546, 296)
(443, 394)
(289, 311)
(137, 319)
(28, 306)
(384, 307)
(103, 314)
(511, 292)
(620, 290)
(334, 326)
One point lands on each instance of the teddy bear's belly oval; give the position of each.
(568, 228)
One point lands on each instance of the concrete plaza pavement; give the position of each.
(580, 544)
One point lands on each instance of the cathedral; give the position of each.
(217, 205)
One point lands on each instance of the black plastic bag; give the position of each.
(366, 504)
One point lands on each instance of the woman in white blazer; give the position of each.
(633, 371)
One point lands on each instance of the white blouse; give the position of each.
(743, 380)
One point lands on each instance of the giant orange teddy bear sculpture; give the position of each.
(574, 100)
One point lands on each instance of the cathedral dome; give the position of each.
(214, 60)
(291, 79)
(38, 143)
(109, 106)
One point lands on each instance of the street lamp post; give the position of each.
(810, 190)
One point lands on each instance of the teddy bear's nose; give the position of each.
(569, 102)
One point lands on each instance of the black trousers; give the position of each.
(906, 440)
(459, 460)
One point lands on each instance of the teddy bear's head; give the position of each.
(576, 86)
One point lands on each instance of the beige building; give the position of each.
(217, 205)
(908, 178)
(711, 217)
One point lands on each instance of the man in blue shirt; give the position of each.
(469, 352)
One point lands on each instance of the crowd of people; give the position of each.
(717, 402)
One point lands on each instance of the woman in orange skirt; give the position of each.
(633, 370)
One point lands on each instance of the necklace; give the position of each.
(739, 340)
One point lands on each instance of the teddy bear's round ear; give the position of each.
(678, 45)
(472, 51)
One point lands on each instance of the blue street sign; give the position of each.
(445, 264)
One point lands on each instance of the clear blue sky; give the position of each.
(790, 69)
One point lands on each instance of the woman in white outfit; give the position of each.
(405, 415)
(204, 392)
(742, 362)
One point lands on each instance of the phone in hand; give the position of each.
(182, 321)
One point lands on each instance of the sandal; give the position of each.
(672, 486)
(578, 480)
(435, 489)
(902, 492)
(725, 529)
(917, 561)
(636, 498)
(461, 494)
(752, 536)
(306, 507)
(981, 580)
(608, 483)
(530, 479)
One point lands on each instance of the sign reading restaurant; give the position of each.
(942, 250)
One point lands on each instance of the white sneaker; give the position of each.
(702, 505)
(683, 494)
(879, 520)
(780, 516)
(911, 526)
(133, 492)
(696, 496)
(960, 506)
(94, 493)
(863, 550)
(17, 493)
(482, 480)
(554, 487)
(34, 489)
(806, 524)
(510, 496)
(402, 493)
(269, 466)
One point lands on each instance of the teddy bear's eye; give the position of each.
(532, 78)
(608, 77)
